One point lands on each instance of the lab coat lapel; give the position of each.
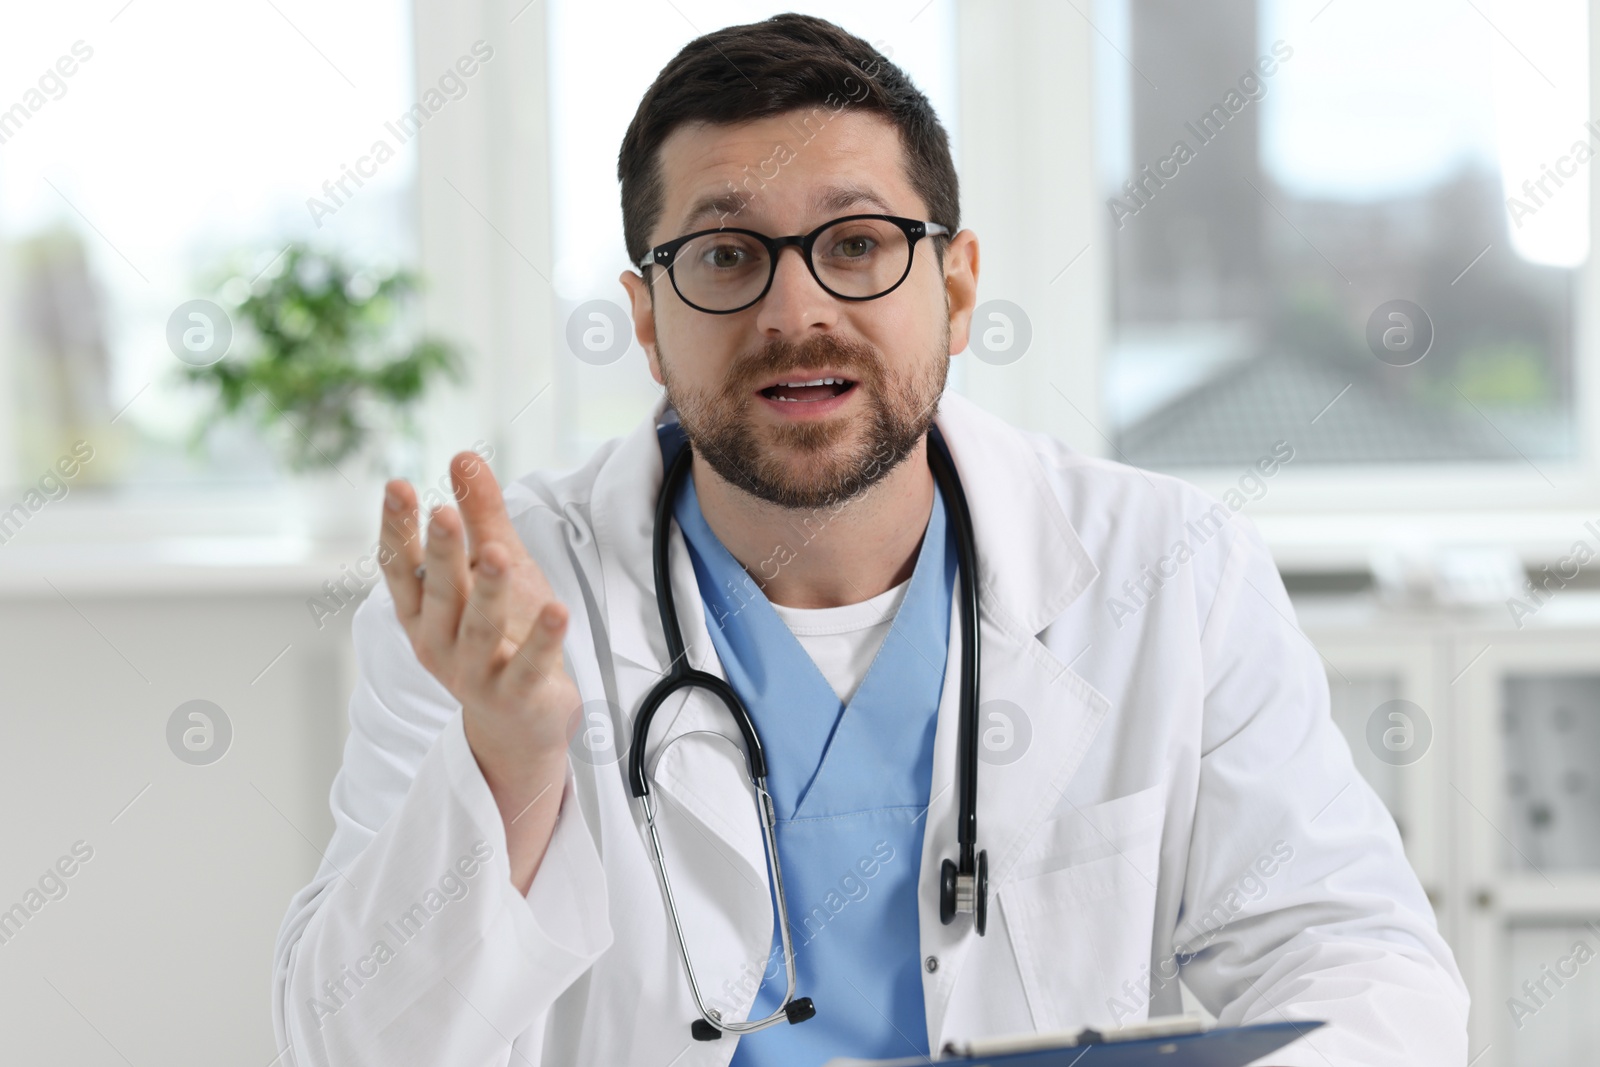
(705, 777)
(1031, 565)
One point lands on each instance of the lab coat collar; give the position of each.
(1031, 562)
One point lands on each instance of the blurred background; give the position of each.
(256, 257)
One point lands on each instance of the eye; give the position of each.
(854, 246)
(724, 256)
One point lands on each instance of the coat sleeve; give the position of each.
(1298, 900)
(411, 946)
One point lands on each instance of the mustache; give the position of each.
(860, 360)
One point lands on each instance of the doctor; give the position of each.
(1157, 793)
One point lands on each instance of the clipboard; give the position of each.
(1175, 1041)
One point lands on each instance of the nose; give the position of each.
(795, 305)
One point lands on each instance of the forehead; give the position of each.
(784, 173)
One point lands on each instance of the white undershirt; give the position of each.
(843, 641)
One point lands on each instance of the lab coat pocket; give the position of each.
(1080, 905)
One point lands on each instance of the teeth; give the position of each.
(819, 381)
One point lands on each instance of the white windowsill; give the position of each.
(224, 540)
(1343, 540)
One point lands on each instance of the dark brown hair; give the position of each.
(767, 68)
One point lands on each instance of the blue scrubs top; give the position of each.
(850, 786)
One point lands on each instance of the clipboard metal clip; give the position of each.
(1160, 1026)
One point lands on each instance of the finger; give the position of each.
(483, 508)
(483, 623)
(400, 549)
(445, 585)
(539, 658)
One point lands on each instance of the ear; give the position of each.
(961, 286)
(644, 317)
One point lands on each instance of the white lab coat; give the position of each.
(1181, 786)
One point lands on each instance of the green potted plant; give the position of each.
(320, 365)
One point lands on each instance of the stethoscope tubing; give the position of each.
(967, 559)
(680, 675)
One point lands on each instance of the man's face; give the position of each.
(800, 447)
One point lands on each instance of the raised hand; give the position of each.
(484, 621)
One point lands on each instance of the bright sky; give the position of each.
(1384, 99)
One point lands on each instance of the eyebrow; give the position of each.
(831, 199)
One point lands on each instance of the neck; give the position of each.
(826, 557)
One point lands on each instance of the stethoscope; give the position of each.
(963, 886)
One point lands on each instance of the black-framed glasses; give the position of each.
(856, 257)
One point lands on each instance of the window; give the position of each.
(1357, 227)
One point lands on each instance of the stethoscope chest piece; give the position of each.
(962, 894)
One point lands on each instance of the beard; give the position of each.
(810, 464)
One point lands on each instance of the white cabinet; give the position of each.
(158, 949)
(1499, 807)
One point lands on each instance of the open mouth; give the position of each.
(808, 391)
